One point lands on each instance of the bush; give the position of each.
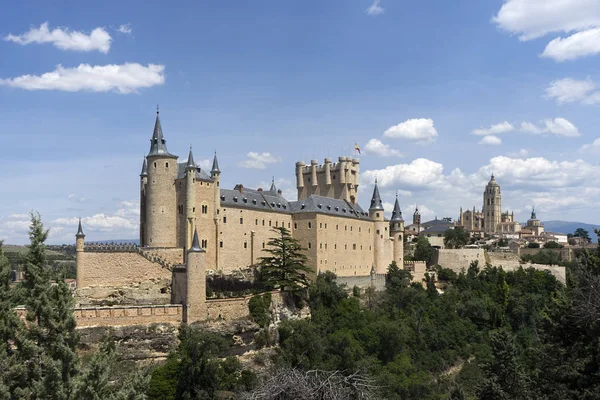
(552, 245)
(533, 245)
(356, 291)
(259, 309)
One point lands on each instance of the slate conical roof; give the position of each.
(397, 213)
(273, 188)
(376, 203)
(533, 216)
(158, 144)
(196, 244)
(80, 230)
(190, 162)
(144, 168)
(215, 166)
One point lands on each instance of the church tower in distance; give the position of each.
(492, 206)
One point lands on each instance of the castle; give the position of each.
(190, 225)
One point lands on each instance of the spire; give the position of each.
(397, 213)
(273, 188)
(376, 199)
(215, 167)
(190, 162)
(196, 244)
(533, 216)
(158, 144)
(144, 168)
(80, 233)
(417, 210)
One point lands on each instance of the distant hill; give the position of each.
(570, 227)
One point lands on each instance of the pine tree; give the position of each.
(286, 266)
(46, 348)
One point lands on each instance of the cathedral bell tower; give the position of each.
(492, 206)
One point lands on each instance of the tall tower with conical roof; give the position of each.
(161, 208)
(79, 247)
(492, 206)
(381, 234)
(397, 234)
(215, 174)
(143, 182)
(190, 199)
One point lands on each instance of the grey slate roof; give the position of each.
(397, 213)
(440, 228)
(200, 174)
(376, 203)
(158, 144)
(196, 244)
(265, 200)
(144, 168)
(190, 162)
(329, 206)
(80, 230)
(215, 166)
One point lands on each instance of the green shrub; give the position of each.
(259, 309)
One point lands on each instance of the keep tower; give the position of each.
(381, 234)
(160, 204)
(397, 232)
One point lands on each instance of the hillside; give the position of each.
(570, 227)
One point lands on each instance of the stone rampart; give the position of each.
(458, 258)
(363, 282)
(234, 308)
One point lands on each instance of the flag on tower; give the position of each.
(356, 148)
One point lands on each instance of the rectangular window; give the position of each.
(276, 224)
(309, 245)
(309, 225)
(320, 225)
(256, 221)
(269, 222)
(221, 244)
(325, 225)
(245, 245)
(337, 227)
(241, 221)
(295, 225)
(321, 245)
(263, 245)
(354, 246)
(345, 227)
(263, 222)
(224, 219)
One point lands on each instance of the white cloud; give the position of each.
(580, 44)
(259, 160)
(375, 8)
(420, 130)
(591, 147)
(378, 148)
(124, 78)
(569, 90)
(76, 198)
(206, 165)
(65, 39)
(556, 126)
(519, 154)
(502, 127)
(100, 223)
(419, 173)
(532, 19)
(491, 140)
(125, 28)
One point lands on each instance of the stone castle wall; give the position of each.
(458, 258)
(565, 254)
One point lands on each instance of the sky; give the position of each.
(438, 95)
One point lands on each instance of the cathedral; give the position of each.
(235, 225)
(490, 220)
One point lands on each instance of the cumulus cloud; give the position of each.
(569, 90)
(123, 78)
(502, 127)
(593, 147)
(532, 19)
(64, 38)
(259, 160)
(580, 44)
(419, 173)
(125, 28)
(556, 126)
(375, 8)
(518, 154)
(491, 140)
(420, 130)
(378, 148)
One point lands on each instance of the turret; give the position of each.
(273, 188)
(397, 233)
(195, 302)
(79, 247)
(381, 234)
(215, 171)
(143, 182)
(190, 198)
(327, 168)
(215, 174)
(161, 207)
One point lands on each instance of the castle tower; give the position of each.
(190, 199)
(143, 182)
(492, 206)
(79, 247)
(417, 217)
(215, 174)
(337, 181)
(376, 214)
(161, 207)
(195, 302)
(397, 233)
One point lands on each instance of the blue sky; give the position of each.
(437, 94)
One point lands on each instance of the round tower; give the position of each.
(143, 182)
(215, 174)
(190, 198)
(380, 236)
(161, 207)
(79, 248)
(397, 234)
(195, 302)
(492, 206)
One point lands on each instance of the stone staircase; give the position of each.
(155, 258)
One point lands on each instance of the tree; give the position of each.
(456, 238)
(286, 266)
(502, 243)
(582, 233)
(552, 245)
(47, 346)
(423, 249)
(533, 245)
